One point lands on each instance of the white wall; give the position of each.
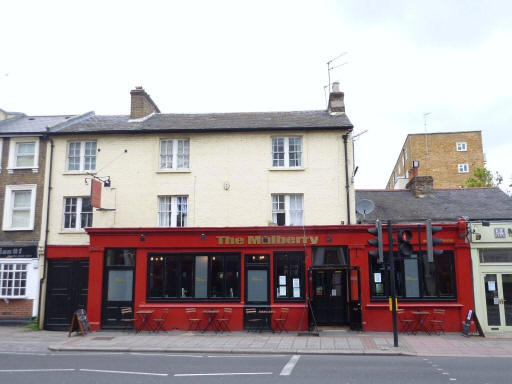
(241, 159)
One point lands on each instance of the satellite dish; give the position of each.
(365, 206)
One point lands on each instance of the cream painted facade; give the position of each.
(229, 182)
(492, 280)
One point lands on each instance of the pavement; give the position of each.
(329, 342)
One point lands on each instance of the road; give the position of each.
(127, 368)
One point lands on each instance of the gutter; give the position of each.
(47, 230)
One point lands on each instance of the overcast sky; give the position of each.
(404, 58)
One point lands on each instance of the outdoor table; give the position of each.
(210, 324)
(267, 319)
(419, 324)
(145, 323)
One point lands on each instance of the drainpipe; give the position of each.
(47, 230)
(347, 185)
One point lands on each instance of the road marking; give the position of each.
(38, 370)
(222, 374)
(288, 368)
(163, 354)
(445, 373)
(125, 372)
(452, 379)
(251, 356)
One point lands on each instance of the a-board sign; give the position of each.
(79, 323)
(471, 316)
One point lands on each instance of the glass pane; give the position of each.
(446, 274)
(156, 276)
(120, 257)
(329, 256)
(336, 283)
(21, 219)
(278, 152)
(171, 271)
(120, 284)
(232, 269)
(25, 148)
(507, 297)
(24, 161)
(201, 284)
(22, 199)
(257, 285)
(187, 277)
(500, 255)
(492, 300)
(74, 156)
(412, 284)
(217, 283)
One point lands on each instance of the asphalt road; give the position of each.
(127, 368)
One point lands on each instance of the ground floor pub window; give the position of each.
(416, 277)
(174, 277)
(289, 275)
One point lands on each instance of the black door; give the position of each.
(329, 298)
(118, 281)
(66, 291)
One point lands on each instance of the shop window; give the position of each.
(330, 256)
(174, 154)
(120, 257)
(81, 156)
(416, 278)
(497, 255)
(13, 280)
(185, 276)
(289, 275)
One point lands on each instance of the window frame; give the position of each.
(421, 279)
(79, 212)
(14, 263)
(1, 151)
(82, 156)
(287, 208)
(14, 141)
(289, 280)
(463, 168)
(173, 211)
(178, 257)
(461, 146)
(8, 206)
(286, 153)
(175, 155)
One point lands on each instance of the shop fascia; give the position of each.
(267, 240)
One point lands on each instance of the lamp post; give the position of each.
(392, 283)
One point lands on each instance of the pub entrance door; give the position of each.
(118, 282)
(329, 296)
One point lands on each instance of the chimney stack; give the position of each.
(141, 104)
(336, 100)
(421, 186)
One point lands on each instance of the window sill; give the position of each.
(13, 297)
(287, 169)
(17, 229)
(188, 170)
(72, 231)
(12, 169)
(79, 173)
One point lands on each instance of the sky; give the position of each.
(401, 59)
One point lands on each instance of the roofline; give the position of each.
(199, 130)
(433, 189)
(442, 133)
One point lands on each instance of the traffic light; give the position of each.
(379, 252)
(431, 242)
(404, 237)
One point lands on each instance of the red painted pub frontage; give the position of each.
(322, 274)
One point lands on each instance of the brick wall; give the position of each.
(23, 176)
(16, 309)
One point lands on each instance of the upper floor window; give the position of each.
(463, 168)
(23, 153)
(13, 280)
(174, 154)
(287, 209)
(81, 156)
(172, 211)
(19, 207)
(287, 152)
(77, 213)
(462, 146)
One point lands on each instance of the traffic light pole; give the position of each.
(392, 282)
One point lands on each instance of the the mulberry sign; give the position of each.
(267, 240)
